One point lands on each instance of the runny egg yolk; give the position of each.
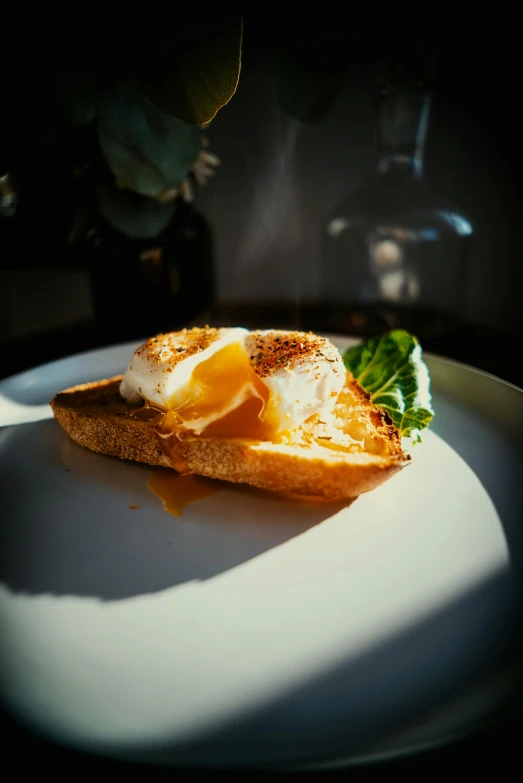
(226, 390)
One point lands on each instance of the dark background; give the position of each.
(277, 180)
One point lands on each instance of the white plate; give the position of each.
(254, 631)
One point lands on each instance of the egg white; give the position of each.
(306, 384)
(156, 375)
(297, 390)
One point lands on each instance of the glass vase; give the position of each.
(394, 252)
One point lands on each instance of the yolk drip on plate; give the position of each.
(177, 491)
(225, 391)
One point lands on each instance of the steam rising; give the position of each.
(274, 215)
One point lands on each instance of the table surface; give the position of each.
(486, 349)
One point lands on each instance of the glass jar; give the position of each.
(394, 252)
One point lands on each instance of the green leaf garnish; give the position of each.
(391, 370)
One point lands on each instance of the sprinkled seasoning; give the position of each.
(187, 342)
(283, 348)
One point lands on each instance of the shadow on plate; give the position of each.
(70, 527)
(448, 679)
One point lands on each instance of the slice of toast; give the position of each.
(332, 463)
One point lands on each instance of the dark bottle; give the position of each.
(141, 287)
(394, 252)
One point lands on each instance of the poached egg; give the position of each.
(232, 382)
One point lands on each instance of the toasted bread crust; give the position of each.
(95, 416)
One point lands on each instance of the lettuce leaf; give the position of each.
(391, 370)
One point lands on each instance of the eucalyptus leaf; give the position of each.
(77, 94)
(306, 89)
(147, 150)
(192, 73)
(391, 370)
(135, 216)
